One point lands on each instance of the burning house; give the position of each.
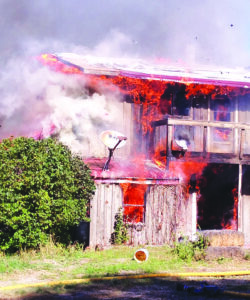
(178, 155)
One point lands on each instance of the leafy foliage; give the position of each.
(188, 250)
(44, 190)
(120, 235)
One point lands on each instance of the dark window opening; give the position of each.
(174, 101)
(218, 201)
(200, 107)
(245, 180)
(181, 105)
(165, 104)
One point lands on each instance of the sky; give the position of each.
(191, 32)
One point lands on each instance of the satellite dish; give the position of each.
(113, 139)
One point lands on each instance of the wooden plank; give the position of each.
(182, 205)
(136, 238)
(164, 215)
(151, 232)
(168, 214)
(143, 232)
(108, 204)
(157, 211)
(179, 121)
(116, 202)
(160, 216)
(242, 143)
(107, 214)
(240, 213)
(148, 217)
(154, 219)
(93, 216)
(162, 231)
(98, 217)
(100, 221)
(172, 216)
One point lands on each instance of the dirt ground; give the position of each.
(148, 289)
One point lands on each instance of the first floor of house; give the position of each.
(159, 212)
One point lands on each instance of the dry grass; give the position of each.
(224, 238)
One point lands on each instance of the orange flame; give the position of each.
(194, 89)
(145, 92)
(233, 223)
(53, 62)
(133, 200)
(184, 169)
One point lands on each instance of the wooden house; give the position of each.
(188, 141)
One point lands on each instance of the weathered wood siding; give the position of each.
(103, 208)
(245, 219)
(167, 215)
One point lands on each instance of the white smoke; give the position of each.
(33, 99)
(38, 102)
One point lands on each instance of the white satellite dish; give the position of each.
(113, 139)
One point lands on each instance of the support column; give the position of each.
(240, 219)
(194, 217)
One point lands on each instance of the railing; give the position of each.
(207, 139)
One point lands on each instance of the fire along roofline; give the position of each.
(143, 70)
(148, 181)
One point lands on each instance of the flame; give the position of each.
(184, 169)
(222, 134)
(54, 63)
(133, 195)
(233, 223)
(145, 92)
(194, 89)
(159, 159)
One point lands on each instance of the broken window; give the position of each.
(181, 105)
(174, 101)
(221, 111)
(134, 202)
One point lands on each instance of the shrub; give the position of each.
(120, 235)
(188, 250)
(44, 190)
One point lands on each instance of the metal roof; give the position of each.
(137, 68)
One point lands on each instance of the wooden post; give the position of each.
(240, 219)
(194, 217)
(241, 143)
(167, 147)
(204, 141)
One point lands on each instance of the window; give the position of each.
(222, 112)
(134, 201)
(174, 101)
(221, 108)
(181, 105)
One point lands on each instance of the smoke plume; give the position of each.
(36, 101)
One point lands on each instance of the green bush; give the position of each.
(44, 190)
(120, 235)
(188, 250)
